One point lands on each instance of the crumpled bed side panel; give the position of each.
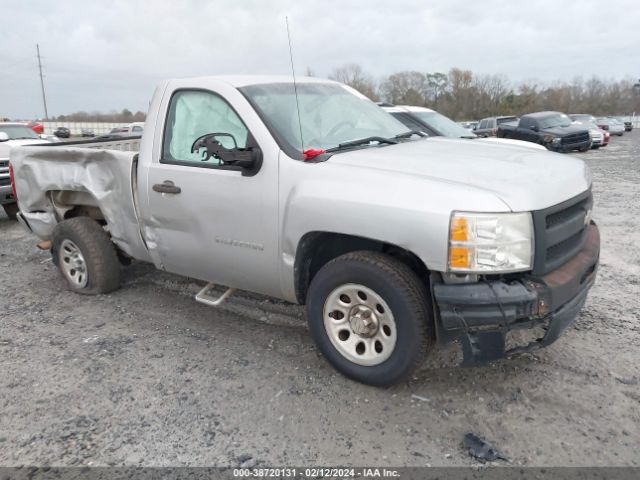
(105, 174)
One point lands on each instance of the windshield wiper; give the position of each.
(362, 141)
(410, 133)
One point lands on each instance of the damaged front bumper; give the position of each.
(481, 314)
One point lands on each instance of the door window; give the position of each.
(193, 113)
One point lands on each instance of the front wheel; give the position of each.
(87, 259)
(369, 315)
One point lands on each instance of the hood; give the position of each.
(523, 178)
(511, 141)
(6, 146)
(562, 131)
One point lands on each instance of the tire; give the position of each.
(85, 256)
(399, 309)
(584, 149)
(595, 147)
(11, 209)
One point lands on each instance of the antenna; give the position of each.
(44, 99)
(295, 86)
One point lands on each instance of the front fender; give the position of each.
(407, 211)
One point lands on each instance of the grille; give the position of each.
(4, 163)
(560, 232)
(4, 182)
(575, 138)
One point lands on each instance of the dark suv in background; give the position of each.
(62, 132)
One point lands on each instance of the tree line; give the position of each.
(464, 95)
(124, 116)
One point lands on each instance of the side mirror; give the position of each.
(534, 128)
(4, 137)
(249, 159)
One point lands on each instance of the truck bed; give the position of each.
(53, 179)
(124, 144)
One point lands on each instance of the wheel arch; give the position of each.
(317, 248)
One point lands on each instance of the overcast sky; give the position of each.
(106, 55)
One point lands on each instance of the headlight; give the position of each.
(490, 243)
(556, 141)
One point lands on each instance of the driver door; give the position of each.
(209, 220)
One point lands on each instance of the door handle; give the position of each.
(166, 187)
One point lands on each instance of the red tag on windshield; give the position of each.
(311, 153)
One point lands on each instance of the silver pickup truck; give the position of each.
(393, 241)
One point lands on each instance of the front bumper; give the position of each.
(481, 314)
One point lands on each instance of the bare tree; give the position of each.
(437, 84)
(352, 74)
(405, 88)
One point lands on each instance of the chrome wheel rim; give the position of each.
(360, 324)
(72, 264)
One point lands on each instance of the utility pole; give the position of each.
(44, 98)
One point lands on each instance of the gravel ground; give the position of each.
(146, 376)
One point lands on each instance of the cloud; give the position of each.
(110, 55)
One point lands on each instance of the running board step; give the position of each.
(203, 296)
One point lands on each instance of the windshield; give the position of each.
(560, 120)
(443, 125)
(330, 114)
(17, 132)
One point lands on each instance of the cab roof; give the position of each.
(240, 81)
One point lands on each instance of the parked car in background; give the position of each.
(434, 124)
(599, 137)
(614, 128)
(596, 134)
(582, 117)
(62, 132)
(12, 135)
(619, 123)
(554, 130)
(460, 247)
(133, 129)
(488, 127)
(36, 127)
(628, 125)
(87, 132)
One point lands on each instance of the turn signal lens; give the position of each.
(459, 258)
(459, 229)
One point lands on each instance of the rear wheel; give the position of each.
(369, 315)
(11, 209)
(87, 259)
